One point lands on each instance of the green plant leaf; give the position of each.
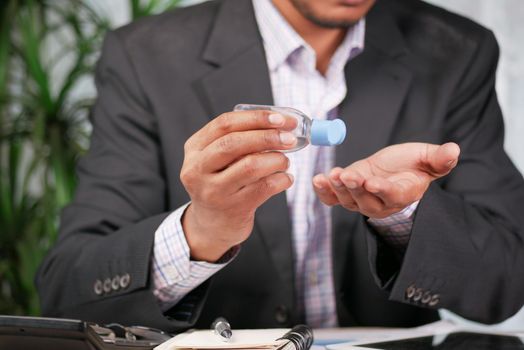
(150, 7)
(28, 25)
(42, 131)
(5, 25)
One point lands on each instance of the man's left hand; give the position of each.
(389, 180)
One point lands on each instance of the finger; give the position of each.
(368, 203)
(290, 123)
(250, 169)
(441, 159)
(340, 190)
(351, 177)
(323, 190)
(257, 193)
(229, 148)
(396, 194)
(238, 121)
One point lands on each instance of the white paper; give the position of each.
(439, 329)
(376, 335)
(241, 339)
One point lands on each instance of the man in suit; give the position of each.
(184, 211)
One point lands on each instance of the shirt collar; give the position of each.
(281, 40)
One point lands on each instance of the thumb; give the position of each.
(441, 159)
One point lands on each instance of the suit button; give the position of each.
(107, 285)
(115, 283)
(418, 294)
(98, 287)
(426, 297)
(125, 280)
(435, 299)
(410, 292)
(281, 314)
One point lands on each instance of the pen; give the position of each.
(222, 328)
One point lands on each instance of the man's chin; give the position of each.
(331, 23)
(334, 13)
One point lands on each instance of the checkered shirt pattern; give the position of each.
(174, 274)
(395, 230)
(295, 83)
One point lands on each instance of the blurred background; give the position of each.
(48, 49)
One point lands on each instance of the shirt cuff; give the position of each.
(396, 228)
(174, 273)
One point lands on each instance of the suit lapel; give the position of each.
(378, 82)
(241, 75)
(235, 50)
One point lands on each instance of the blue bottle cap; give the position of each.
(328, 132)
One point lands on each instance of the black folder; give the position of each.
(38, 333)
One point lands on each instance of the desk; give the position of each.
(73, 334)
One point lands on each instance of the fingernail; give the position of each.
(287, 138)
(450, 163)
(291, 177)
(276, 119)
(351, 185)
(337, 182)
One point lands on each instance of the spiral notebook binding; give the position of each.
(300, 338)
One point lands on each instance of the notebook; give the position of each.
(298, 338)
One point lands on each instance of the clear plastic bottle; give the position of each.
(307, 130)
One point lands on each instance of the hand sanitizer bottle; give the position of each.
(307, 130)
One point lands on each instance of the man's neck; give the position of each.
(324, 41)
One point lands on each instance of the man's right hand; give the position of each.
(229, 170)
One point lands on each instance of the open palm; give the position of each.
(387, 181)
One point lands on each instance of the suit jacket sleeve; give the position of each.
(108, 230)
(466, 251)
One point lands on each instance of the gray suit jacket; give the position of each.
(425, 75)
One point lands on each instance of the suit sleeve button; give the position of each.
(98, 287)
(435, 299)
(426, 297)
(418, 294)
(125, 280)
(115, 283)
(410, 291)
(107, 285)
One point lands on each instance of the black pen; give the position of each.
(222, 328)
